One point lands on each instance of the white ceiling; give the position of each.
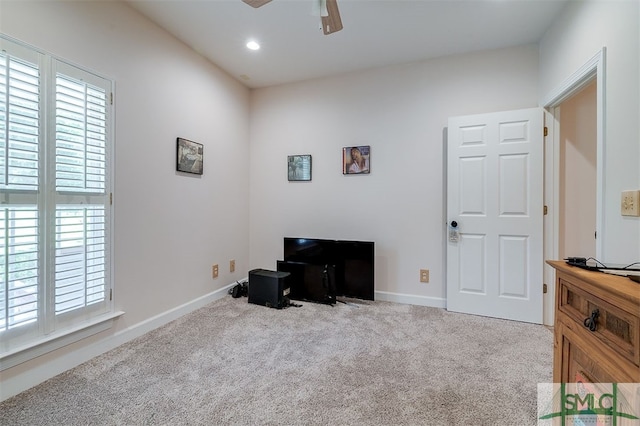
(376, 33)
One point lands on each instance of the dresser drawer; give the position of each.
(616, 328)
(583, 363)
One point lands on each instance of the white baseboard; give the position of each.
(411, 299)
(14, 384)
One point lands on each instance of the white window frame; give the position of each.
(52, 331)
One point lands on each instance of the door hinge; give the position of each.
(111, 294)
(111, 198)
(546, 130)
(544, 289)
(111, 101)
(545, 210)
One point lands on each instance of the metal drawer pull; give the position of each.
(590, 322)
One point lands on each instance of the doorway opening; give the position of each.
(578, 178)
(574, 175)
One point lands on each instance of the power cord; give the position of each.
(597, 262)
(290, 304)
(606, 267)
(582, 261)
(631, 264)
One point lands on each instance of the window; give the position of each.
(55, 186)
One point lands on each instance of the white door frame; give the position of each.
(595, 68)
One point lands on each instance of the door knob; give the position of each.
(453, 231)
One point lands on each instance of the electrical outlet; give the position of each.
(629, 205)
(214, 271)
(424, 275)
(232, 266)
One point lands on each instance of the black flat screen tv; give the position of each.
(353, 262)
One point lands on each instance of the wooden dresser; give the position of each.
(597, 327)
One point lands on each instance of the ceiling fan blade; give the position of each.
(256, 3)
(331, 23)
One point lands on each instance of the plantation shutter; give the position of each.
(55, 212)
(20, 116)
(19, 123)
(19, 269)
(81, 255)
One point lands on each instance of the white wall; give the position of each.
(169, 228)
(582, 30)
(401, 112)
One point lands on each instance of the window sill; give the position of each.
(57, 340)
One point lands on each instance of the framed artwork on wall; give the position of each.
(299, 168)
(189, 156)
(356, 160)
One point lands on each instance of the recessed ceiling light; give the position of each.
(253, 45)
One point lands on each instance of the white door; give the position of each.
(495, 194)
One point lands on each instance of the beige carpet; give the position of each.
(362, 363)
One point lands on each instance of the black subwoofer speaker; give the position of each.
(268, 288)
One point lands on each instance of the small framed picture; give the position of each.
(299, 167)
(356, 160)
(189, 158)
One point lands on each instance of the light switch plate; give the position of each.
(630, 203)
